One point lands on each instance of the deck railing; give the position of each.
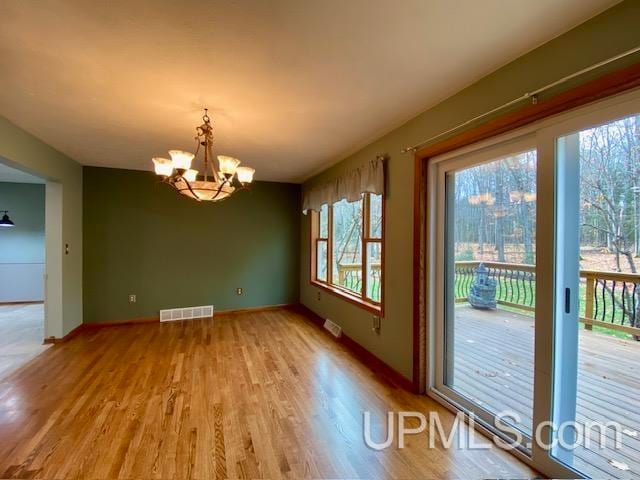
(350, 277)
(607, 299)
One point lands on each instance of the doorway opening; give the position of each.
(22, 268)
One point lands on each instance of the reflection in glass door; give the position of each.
(489, 289)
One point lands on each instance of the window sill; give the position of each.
(371, 307)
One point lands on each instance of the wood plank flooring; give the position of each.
(248, 395)
(21, 335)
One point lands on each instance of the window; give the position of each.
(347, 242)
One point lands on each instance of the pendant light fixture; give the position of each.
(6, 221)
(212, 185)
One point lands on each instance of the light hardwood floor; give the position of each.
(250, 395)
(21, 335)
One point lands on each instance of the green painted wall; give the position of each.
(20, 149)
(603, 36)
(23, 243)
(143, 238)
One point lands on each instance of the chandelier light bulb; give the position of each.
(181, 159)
(228, 165)
(245, 174)
(163, 166)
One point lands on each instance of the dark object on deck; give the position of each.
(482, 294)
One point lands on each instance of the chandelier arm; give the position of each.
(195, 155)
(190, 189)
(209, 147)
(218, 192)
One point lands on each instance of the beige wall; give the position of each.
(22, 150)
(606, 35)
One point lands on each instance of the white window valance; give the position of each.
(368, 178)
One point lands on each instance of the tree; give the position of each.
(610, 166)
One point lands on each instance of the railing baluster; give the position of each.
(613, 302)
(492, 273)
(505, 283)
(624, 301)
(604, 299)
(510, 275)
(635, 305)
(456, 282)
(595, 297)
(468, 274)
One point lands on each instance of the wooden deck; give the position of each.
(494, 367)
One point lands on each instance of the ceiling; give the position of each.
(12, 175)
(292, 86)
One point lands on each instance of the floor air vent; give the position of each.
(186, 313)
(334, 328)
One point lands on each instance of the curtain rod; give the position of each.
(533, 95)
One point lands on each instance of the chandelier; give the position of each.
(211, 185)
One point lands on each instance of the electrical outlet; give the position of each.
(239, 291)
(319, 296)
(376, 324)
(132, 298)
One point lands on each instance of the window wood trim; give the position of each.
(359, 299)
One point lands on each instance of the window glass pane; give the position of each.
(597, 381)
(321, 257)
(375, 222)
(490, 285)
(324, 221)
(374, 271)
(347, 245)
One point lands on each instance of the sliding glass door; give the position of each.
(489, 266)
(597, 371)
(535, 288)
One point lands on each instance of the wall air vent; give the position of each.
(334, 328)
(187, 313)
